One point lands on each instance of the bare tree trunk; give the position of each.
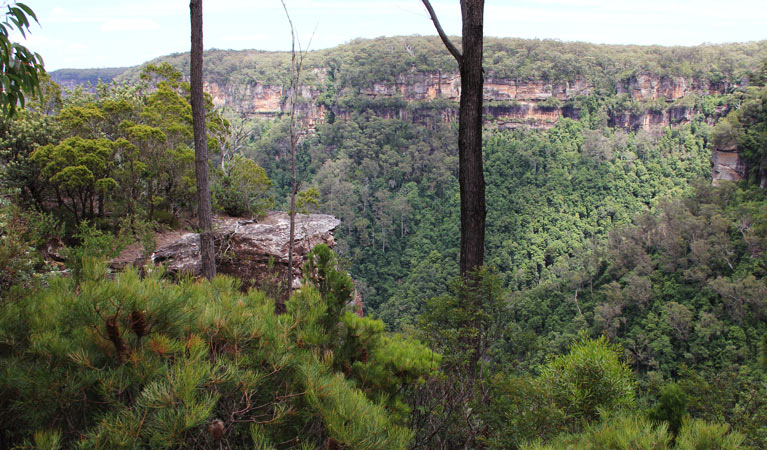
(204, 216)
(296, 62)
(470, 171)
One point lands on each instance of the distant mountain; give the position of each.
(69, 78)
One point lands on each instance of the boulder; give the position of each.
(255, 251)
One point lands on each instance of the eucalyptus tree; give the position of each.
(204, 215)
(470, 172)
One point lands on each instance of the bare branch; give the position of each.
(296, 65)
(446, 40)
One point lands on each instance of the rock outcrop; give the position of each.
(255, 251)
(510, 103)
(728, 165)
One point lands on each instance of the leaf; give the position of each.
(28, 10)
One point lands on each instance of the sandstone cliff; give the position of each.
(728, 165)
(510, 103)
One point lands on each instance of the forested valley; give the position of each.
(623, 303)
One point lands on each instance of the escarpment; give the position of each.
(649, 102)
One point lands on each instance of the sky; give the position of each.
(116, 33)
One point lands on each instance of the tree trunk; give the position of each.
(296, 63)
(204, 216)
(470, 172)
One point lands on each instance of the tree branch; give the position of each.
(445, 40)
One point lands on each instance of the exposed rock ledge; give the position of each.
(253, 251)
(727, 164)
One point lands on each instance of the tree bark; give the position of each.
(204, 215)
(470, 171)
(470, 166)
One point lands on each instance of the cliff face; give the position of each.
(509, 103)
(648, 87)
(727, 164)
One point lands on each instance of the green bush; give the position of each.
(699, 435)
(671, 407)
(20, 262)
(243, 190)
(623, 432)
(572, 392)
(589, 379)
(143, 363)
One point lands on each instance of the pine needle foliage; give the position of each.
(634, 432)
(133, 362)
(699, 435)
(622, 432)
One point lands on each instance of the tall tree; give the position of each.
(204, 216)
(470, 172)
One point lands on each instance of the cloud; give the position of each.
(134, 24)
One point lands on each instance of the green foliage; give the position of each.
(242, 190)
(362, 62)
(680, 289)
(84, 260)
(632, 432)
(735, 396)
(571, 393)
(521, 409)
(20, 68)
(465, 320)
(120, 151)
(131, 362)
(620, 432)
(745, 129)
(591, 377)
(335, 287)
(19, 138)
(671, 408)
(20, 262)
(78, 169)
(462, 324)
(699, 435)
(595, 230)
(386, 367)
(306, 199)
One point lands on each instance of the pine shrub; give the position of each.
(133, 362)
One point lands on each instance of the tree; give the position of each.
(205, 221)
(20, 68)
(79, 170)
(296, 63)
(470, 172)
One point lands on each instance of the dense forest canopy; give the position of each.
(362, 62)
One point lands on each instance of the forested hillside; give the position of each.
(624, 296)
(385, 163)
